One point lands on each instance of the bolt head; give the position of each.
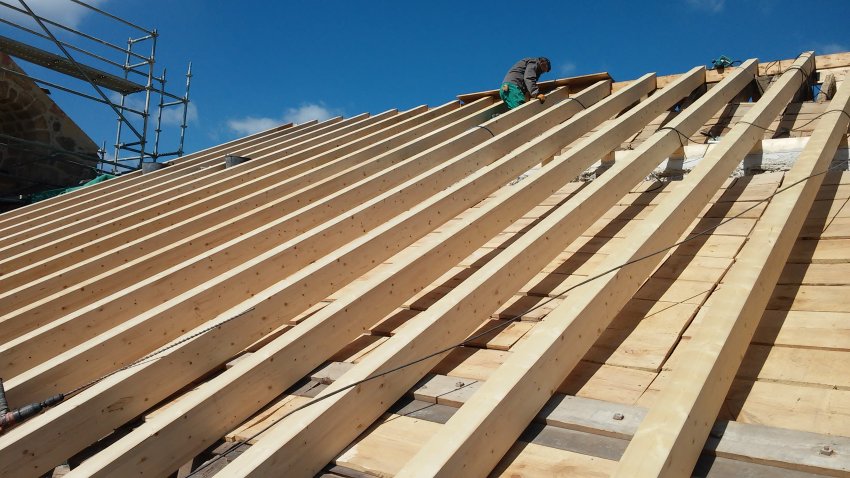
(618, 416)
(827, 450)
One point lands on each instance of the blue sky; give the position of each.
(257, 64)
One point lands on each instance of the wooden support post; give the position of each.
(827, 88)
(671, 437)
(475, 439)
(48, 433)
(450, 319)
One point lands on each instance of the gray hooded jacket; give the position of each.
(524, 74)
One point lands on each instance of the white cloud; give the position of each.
(567, 69)
(173, 115)
(827, 48)
(714, 6)
(251, 125)
(302, 114)
(60, 11)
(309, 112)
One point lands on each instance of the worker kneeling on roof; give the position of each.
(520, 84)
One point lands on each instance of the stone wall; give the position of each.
(28, 113)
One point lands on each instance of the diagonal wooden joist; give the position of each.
(169, 177)
(448, 321)
(78, 227)
(153, 382)
(51, 205)
(669, 440)
(50, 305)
(136, 235)
(326, 331)
(476, 438)
(13, 258)
(97, 274)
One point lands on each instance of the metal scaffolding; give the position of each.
(130, 76)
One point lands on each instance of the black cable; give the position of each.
(506, 322)
(153, 355)
(485, 129)
(683, 138)
(577, 101)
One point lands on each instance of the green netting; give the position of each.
(55, 192)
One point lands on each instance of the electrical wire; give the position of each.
(153, 355)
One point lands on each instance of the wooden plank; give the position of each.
(795, 407)
(776, 67)
(809, 298)
(606, 382)
(209, 347)
(575, 83)
(796, 365)
(212, 173)
(669, 440)
(827, 89)
(387, 445)
(527, 379)
(821, 252)
(528, 459)
(827, 330)
(402, 347)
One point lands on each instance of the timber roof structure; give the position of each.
(636, 278)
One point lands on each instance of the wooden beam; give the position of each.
(112, 213)
(48, 205)
(285, 299)
(827, 89)
(139, 252)
(776, 67)
(300, 350)
(671, 437)
(575, 83)
(128, 267)
(446, 321)
(473, 441)
(136, 181)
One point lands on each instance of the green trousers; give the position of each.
(513, 97)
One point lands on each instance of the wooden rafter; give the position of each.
(670, 438)
(531, 374)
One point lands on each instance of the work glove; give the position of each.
(541, 97)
